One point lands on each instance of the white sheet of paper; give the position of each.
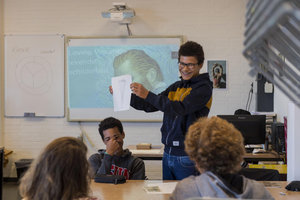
(160, 188)
(121, 92)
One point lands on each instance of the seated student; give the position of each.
(59, 173)
(217, 148)
(114, 159)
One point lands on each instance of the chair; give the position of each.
(241, 112)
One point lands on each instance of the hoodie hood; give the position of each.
(212, 186)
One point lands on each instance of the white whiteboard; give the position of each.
(34, 75)
(90, 69)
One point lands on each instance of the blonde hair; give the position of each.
(59, 173)
(215, 145)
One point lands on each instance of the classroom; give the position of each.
(218, 25)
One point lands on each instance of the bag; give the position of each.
(108, 178)
(293, 186)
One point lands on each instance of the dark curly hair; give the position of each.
(191, 48)
(215, 145)
(108, 123)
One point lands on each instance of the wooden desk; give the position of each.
(267, 156)
(134, 190)
(280, 193)
(156, 153)
(131, 190)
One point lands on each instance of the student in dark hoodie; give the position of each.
(114, 159)
(217, 148)
(182, 103)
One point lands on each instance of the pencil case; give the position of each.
(108, 178)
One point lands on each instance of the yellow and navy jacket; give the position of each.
(182, 103)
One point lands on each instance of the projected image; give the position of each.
(143, 69)
(90, 69)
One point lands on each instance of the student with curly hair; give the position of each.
(59, 173)
(217, 148)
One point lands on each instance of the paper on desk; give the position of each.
(271, 184)
(160, 188)
(121, 92)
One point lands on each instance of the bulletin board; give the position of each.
(34, 75)
(90, 67)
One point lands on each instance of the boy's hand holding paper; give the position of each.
(121, 92)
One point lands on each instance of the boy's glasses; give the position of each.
(188, 65)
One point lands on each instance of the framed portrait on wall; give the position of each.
(217, 73)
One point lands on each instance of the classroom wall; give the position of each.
(217, 25)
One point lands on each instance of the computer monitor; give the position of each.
(252, 127)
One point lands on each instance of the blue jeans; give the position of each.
(177, 167)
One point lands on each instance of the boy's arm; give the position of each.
(112, 146)
(100, 165)
(137, 170)
(95, 162)
(198, 99)
(181, 103)
(105, 167)
(140, 104)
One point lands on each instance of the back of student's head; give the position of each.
(191, 48)
(215, 145)
(59, 173)
(108, 123)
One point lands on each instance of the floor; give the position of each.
(10, 191)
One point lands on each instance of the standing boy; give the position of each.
(114, 159)
(182, 103)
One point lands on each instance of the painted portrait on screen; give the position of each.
(217, 73)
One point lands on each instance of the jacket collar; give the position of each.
(196, 78)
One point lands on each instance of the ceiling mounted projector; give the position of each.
(119, 13)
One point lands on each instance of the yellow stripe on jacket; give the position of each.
(208, 105)
(179, 94)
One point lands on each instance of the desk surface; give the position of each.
(134, 190)
(131, 190)
(157, 151)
